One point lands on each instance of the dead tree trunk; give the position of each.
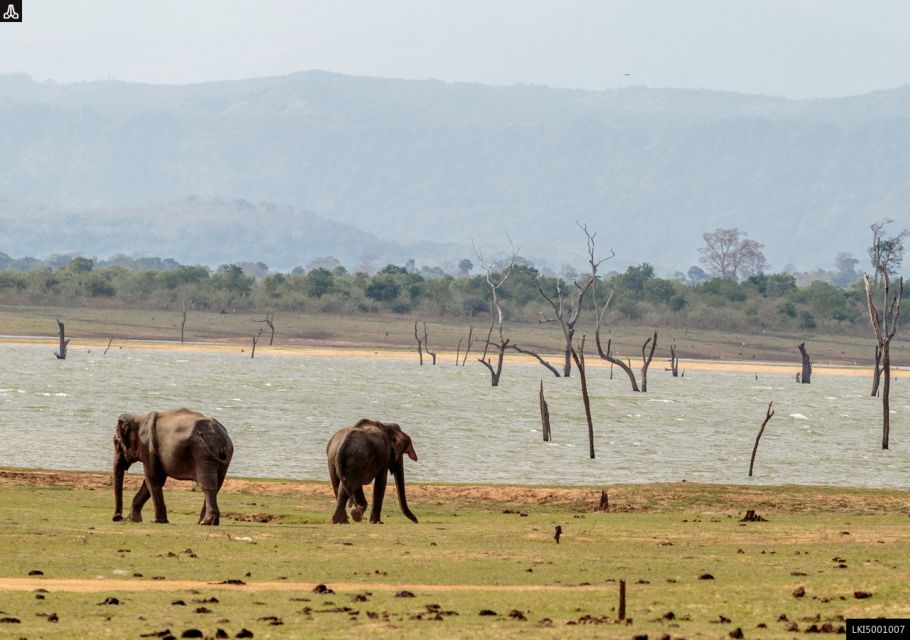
(806, 374)
(109, 341)
(255, 341)
(470, 342)
(64, 343)
(269, 316)
(768, 416)
(646, 360)
(877, 371)
(544, 415)
(496, 317)
(608, 356)
(419, 344)
(674, 361)
(884, 324)
(501, 347)
(458, 351)
(533, 354)
(579, 356)
(426, 344)
(182, 317)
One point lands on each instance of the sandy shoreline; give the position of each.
(443, 357)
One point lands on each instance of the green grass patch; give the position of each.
(464, 557)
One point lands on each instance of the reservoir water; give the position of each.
(281, 409)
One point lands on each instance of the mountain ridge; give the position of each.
(424, 161)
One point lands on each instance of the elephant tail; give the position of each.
(339, 467)
(215, 440)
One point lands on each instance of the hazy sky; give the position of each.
(808, 48)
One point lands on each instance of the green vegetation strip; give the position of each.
(483, 549)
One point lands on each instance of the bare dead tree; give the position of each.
(601, 312)
(500, 347)
(426, 344)
(495, 281)
(674, 360)
(109, 341)
(269, 320)
(646, 360)
(467, 348)
(497, 321)
(768, 416)
(806, 374)
(887, 256)
(64, 343)
(608, 354)
(884, 323)
(255, 342)
(419, 344)
(182, 315)
(544, 415)
(579, 356)
(567, 305)
(497, 318)
(458, 351)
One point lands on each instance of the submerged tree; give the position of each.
(568, 304)
(494, 282)
(886, 256)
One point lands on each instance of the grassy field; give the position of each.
(475, 549)
(397, 332)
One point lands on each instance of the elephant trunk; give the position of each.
(398, 472)
(119, 469)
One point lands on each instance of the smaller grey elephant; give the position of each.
(367, 452)
(180, 444)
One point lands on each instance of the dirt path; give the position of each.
(101, 586)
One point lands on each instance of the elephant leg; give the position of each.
(360, 504)
(378, 495)
(155, 480)
(139, 501)
(210, 514)
(340, 516)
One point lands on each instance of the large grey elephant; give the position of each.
(363, 453)
(180, 444)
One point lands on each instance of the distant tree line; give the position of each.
(760, 301)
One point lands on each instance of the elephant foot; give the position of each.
(135, 517)
(209, 522)
(357, 514)
(117, 517)
(340, 520)
(160, 520)
(376, 521)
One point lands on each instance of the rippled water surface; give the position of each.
(281, 410)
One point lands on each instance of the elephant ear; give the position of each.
(126, 437)
(401, 443)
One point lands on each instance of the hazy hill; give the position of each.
(197, 231)
(426, 161)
